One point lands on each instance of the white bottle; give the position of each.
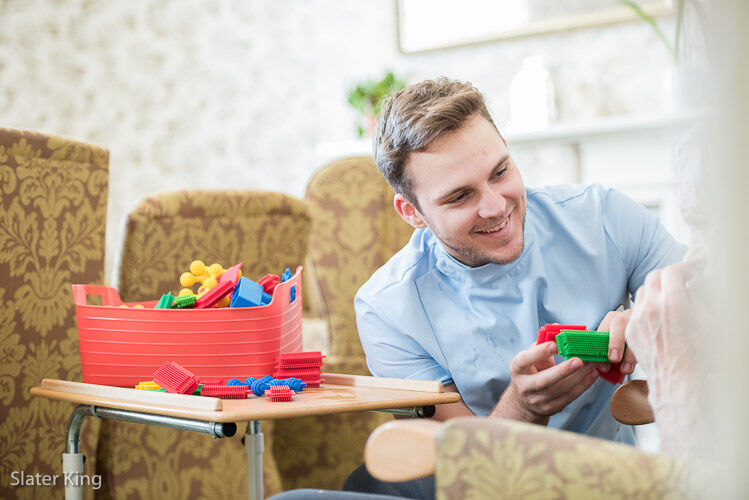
(531, 97)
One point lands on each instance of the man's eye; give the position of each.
(500, 172)
(458, 198)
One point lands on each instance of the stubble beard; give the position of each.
(475, 257)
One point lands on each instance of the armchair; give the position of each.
(354, 231)
(53, 206)
(490, 458)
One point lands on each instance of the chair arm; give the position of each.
(402, 450)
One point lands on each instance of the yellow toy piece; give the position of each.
(207, 276)
(197, 267)
(150, 384)
(185, 291)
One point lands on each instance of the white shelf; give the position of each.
(560, 133)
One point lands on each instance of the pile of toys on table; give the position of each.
(577, 341)
(171, 377)
(222, 288)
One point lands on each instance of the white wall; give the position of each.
(220, 93)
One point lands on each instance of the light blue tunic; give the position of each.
(424, 315)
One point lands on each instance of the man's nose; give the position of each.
(492, 204)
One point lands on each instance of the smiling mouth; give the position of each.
(494, 229)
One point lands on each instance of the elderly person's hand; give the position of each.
(662, 332)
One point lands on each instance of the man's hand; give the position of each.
(539, 389)
(615, 322)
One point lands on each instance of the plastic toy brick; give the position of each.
(161, 389)
(286, 275)
(150, 384)
(588, 346)
(231, 274)
(300, 359)
(314, 383)
(614, 375)
(269, 282)
(247, 293)
(175, 378)
(304, 374)
(234, 381)
(184, 301)
(295, 384)
(225, 391)
(249, 381)
(278, 393)
(549, 331)
(260, 386)
(211, 380)
(165, 302)
(214, 295)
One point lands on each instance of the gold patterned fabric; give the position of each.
(267, 232)
(53, 205)
(479, 458)
(355, 230)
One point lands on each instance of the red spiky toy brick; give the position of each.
(224, 391)
(614, 375)
(269, 282)
(304, 374)
(549, 333)
(175, 378)
(279, 393)
(294, 360)
(211, 380)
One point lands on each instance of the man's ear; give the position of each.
(408, 211)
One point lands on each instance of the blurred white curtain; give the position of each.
(728, 22)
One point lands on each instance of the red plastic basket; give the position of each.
(123, 346)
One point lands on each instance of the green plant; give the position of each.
(673, 50)
(367, 98)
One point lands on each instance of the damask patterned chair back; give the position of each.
(53, 207)
(496, 458)
(265, 231)
(355, 230)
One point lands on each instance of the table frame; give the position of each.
(253, 436)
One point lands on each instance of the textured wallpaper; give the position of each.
(220, 93)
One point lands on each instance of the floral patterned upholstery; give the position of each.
(265, 231)
(354, 231)
(491, 458)
(53, 205)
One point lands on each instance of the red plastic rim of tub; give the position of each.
(122, 346)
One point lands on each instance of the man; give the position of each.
(491, 261)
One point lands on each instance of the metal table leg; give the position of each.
(254, 446)
(72, 461)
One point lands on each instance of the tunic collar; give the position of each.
(452, 268)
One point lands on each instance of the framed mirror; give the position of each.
(437, 24)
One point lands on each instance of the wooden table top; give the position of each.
(339, 394)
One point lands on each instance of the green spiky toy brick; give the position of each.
(586, 345)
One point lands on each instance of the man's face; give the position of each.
(471, 195)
